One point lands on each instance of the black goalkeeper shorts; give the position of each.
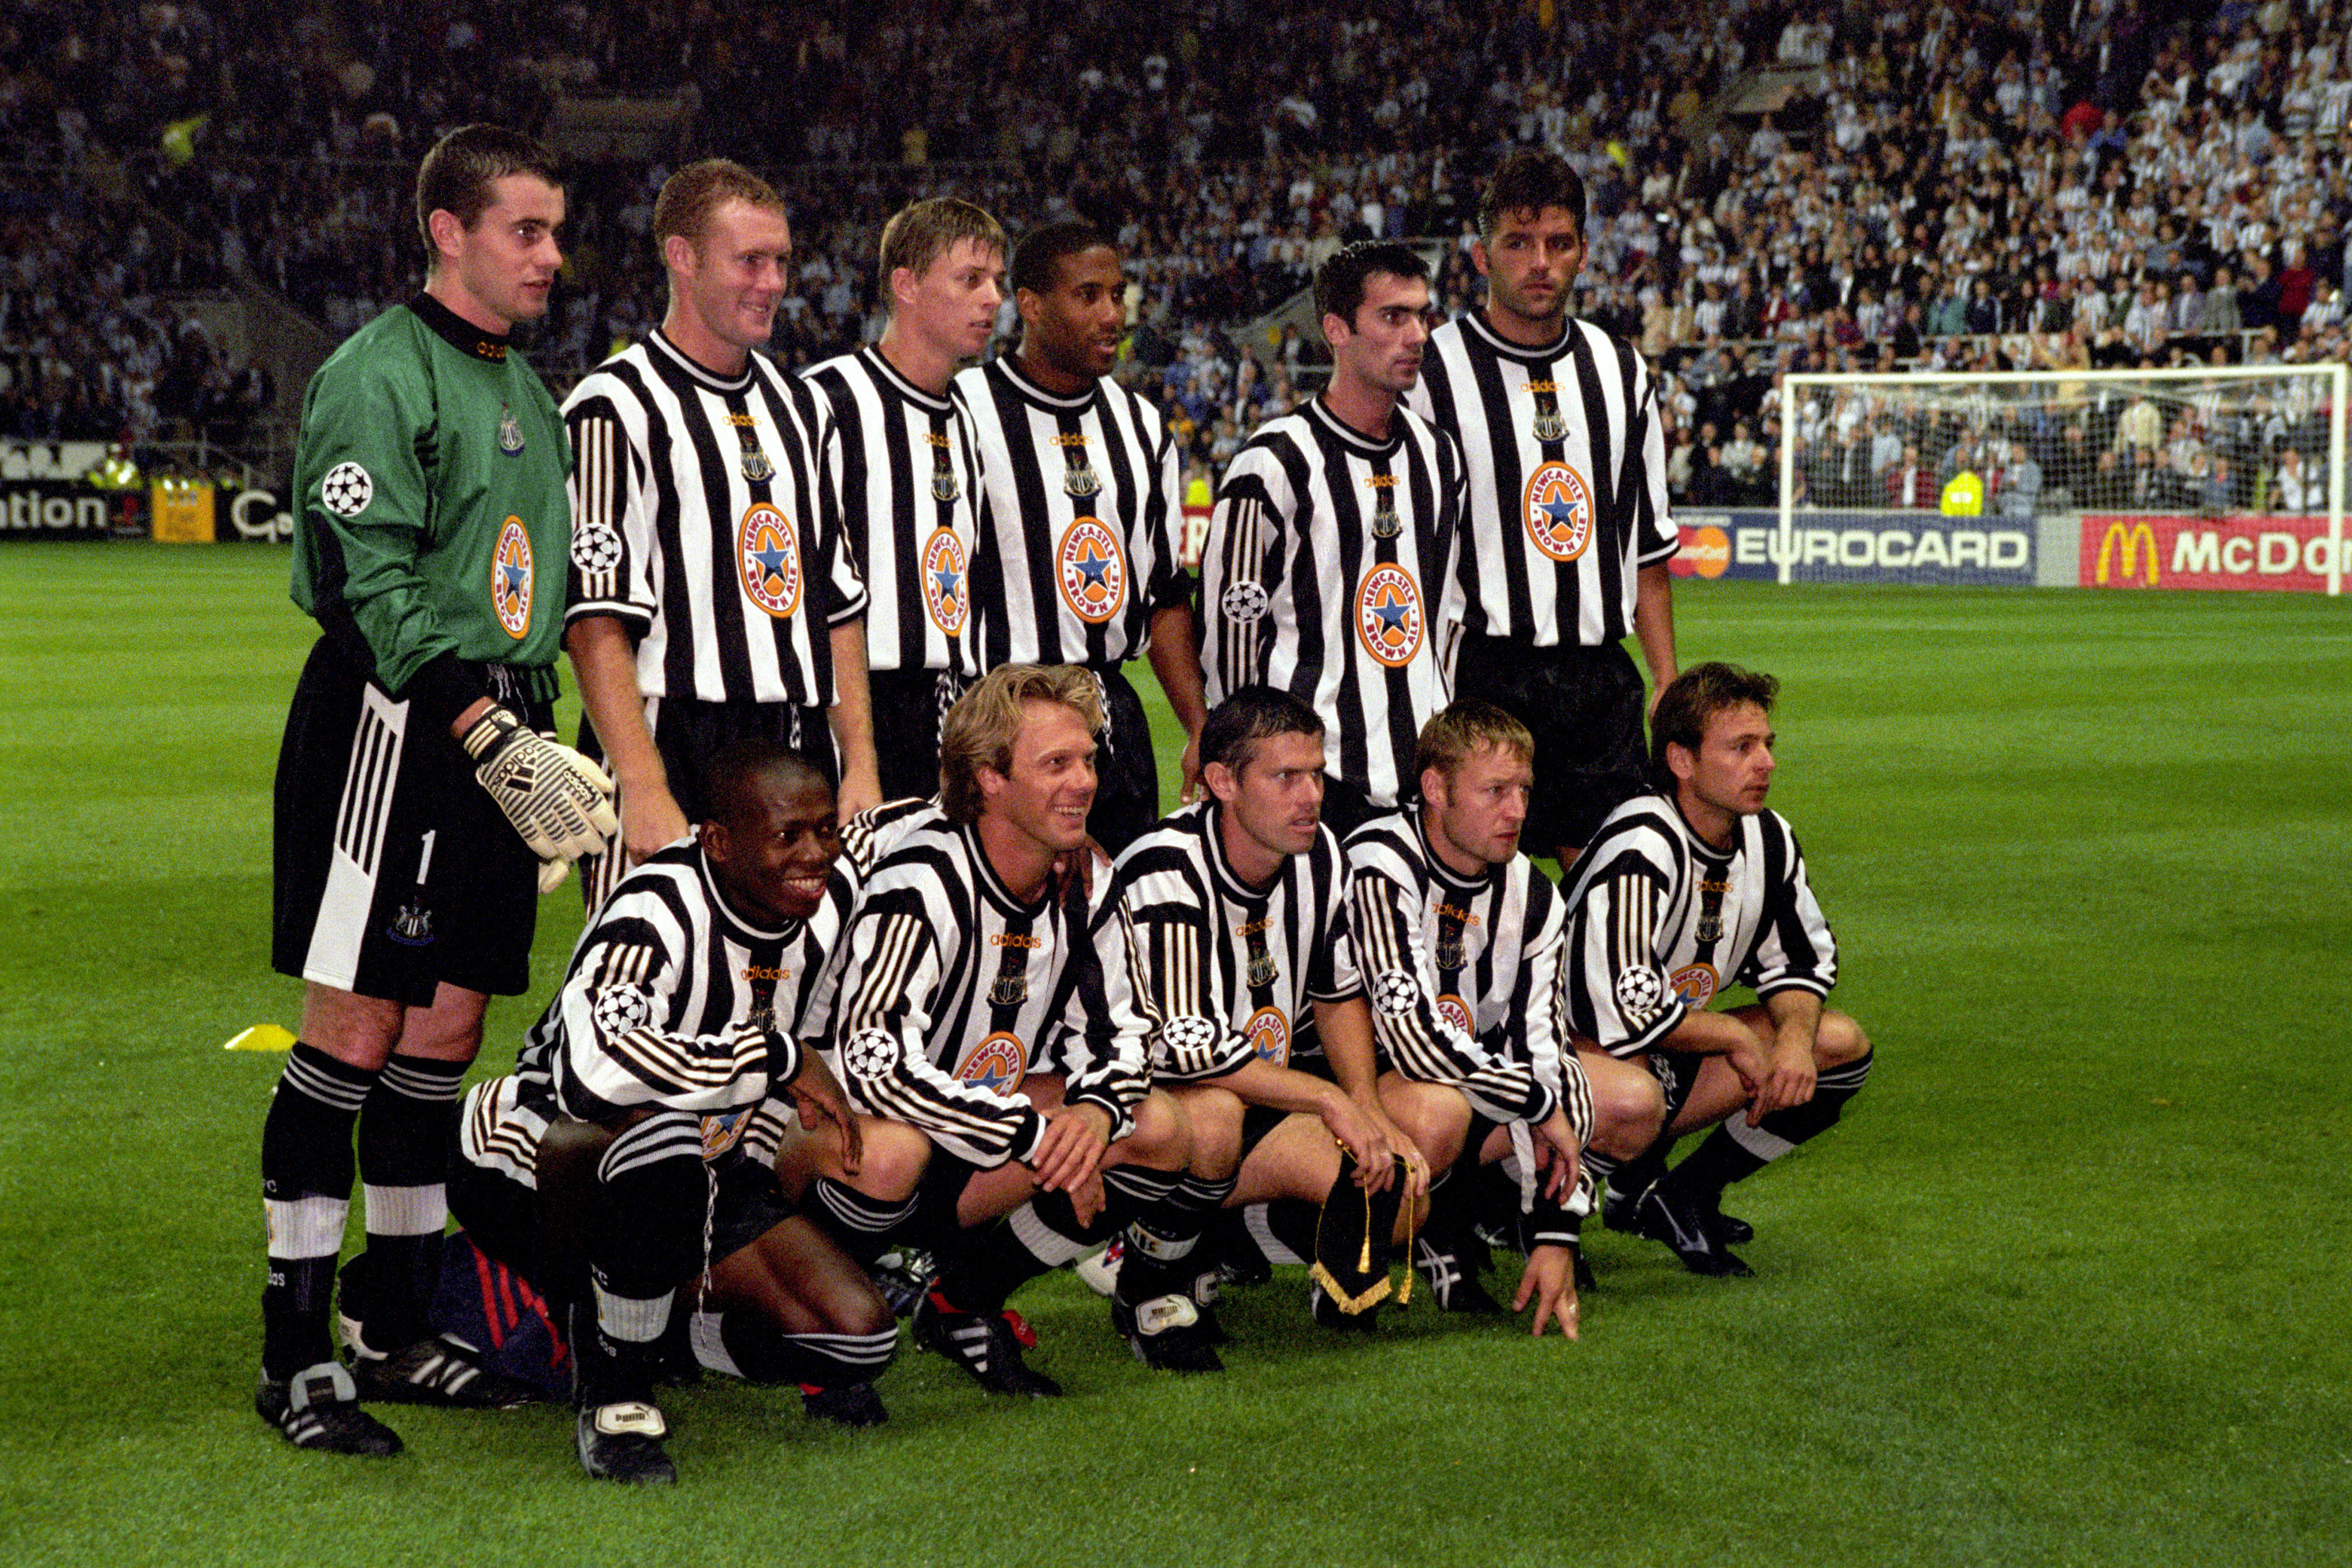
(395, 872)
(1585, 708)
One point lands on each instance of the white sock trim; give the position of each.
(1044, 1243)
(1766, 1147)
(408, 1210)
(630, 1319)
(1253, 1217)
(306, 1227)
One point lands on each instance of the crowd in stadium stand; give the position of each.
(1986, 184)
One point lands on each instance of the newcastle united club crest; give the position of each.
(510, 431)
(1386, 525)
(943, 479)
(1548, 426)
(1078, 476)
(757, 470)
(1710, 908)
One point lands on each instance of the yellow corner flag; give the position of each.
(262, 1037)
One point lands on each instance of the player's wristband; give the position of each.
(783, 1054)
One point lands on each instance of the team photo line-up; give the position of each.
(897, 988)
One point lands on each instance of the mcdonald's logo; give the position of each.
(2127, 543)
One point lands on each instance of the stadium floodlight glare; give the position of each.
(2229, 443)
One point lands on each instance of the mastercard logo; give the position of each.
(1706, 552)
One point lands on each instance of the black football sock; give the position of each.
(1735, 1149)
(862, 1225)
(742, 1344)
(1178, 1240)
(988, 1262)
(306, 1194)
(1284, 1228)
(406, 1130)
(1630, 1177)
(1163, 1229)
(645, 1240)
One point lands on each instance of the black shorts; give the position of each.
(1676, 1072)
(1346, 806)
(395, 871)
(1258, 1121)
(506, 1220)
(1584, 707)
(1127, 789)
(687, 733)
(907, 705)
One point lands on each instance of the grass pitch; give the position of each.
(2067, 1285)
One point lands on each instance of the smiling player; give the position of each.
(1081, 513)
(713, 592)
(983, 1015)
(1681, 894)
(630, 1150)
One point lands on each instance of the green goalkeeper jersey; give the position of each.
(432, 527)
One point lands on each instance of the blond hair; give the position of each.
(691, 196)
(1463, 729)
(921, 232)
(979, 731)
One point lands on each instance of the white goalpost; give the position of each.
(2215, 476)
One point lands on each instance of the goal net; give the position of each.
(2226, 476)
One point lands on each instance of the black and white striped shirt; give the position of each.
(702, 517)
(1465, 974)
(874, 833)
(1229, 968)
(1080, 521)
(909, 503)
(1567, 462)
(946, 991)
(1660, 921)
(672, 1001)
(1329, 572)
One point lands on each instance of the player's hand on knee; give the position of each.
(560, 802)
(1753, 1063)
(1086, 1198)
(1789, 1082)
(1412, 1169)
(1072, 1150)
(1549, 1281)
(817, 1097)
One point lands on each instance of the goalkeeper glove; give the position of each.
(560, 802)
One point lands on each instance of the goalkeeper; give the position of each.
(419, 808)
